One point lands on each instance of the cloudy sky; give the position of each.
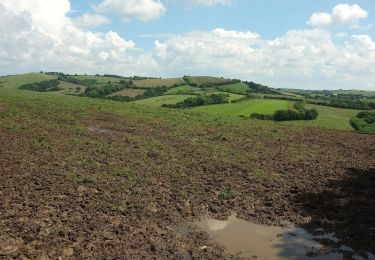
(316, 44)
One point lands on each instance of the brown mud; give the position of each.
(118, 187)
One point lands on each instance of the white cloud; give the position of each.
(300, 58)
(342, 14)
(29, 44)
(91, 20)
(210, 2)
(235, 34)
(143, 10)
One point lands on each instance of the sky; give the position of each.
(310, 44)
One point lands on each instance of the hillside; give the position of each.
(92, 178)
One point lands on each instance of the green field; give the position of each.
(179, 90)
(232, 96)
(239, 88)
(158, 101)
(245, 108)
(329, 117)
(14, 81)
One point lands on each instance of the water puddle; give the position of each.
(256, 241)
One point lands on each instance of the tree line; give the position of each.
(42, 86)
(200, 101)
(299, 113)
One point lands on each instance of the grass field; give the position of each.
(70, 88)
(179, 90)
(245, 108)
(232, 96)
(151, 83)
(239, 88)
(158, 101)
(14, 81)
(329, 117)
(128, 92)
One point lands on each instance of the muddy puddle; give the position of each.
(256, 241)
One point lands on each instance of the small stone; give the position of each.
(68, 252)
(204, 248)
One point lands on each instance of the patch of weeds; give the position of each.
(228, 194)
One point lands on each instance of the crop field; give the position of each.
(128, 92)
(179, 90)
(158, 101)
(199, 80)
(151, 83)
(245, 108)
(99, 79)
(329, 117)
(239, 88)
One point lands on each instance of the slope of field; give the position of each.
(199, 80)
(14, 81)
(329, 117)
(245, 108)
(94, 179)
(151, 83)
(231, 96)
(179, 90)
(158, 101)
(128, 92)
(70, 88)
(239, 88)
(99, 79)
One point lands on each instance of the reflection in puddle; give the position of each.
(247, 239)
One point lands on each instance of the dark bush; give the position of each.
(43, 86)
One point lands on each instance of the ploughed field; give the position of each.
(89, 178)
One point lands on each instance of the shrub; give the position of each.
(200, 101)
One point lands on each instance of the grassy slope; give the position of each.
(178, 90)
(151, 83)
(236, 88)
(245, 108)
(205, 79)
(99, 79)
(329, 117)
(158, 101)
(231, 95)
(128, 92)
(14, 81)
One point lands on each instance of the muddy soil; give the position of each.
(119, 188)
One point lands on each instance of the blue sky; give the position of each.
(311, 44)
(270, 18)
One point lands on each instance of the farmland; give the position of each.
(239, 88)
(91, 178)
(245, 108)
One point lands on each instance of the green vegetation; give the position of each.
(158, 101)
(200, 101)
(238, 88)
(298, 113)
(329, 117)
(179, 90)
(42, 86)
(245, 108)
(15, 81)
(364, 122)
